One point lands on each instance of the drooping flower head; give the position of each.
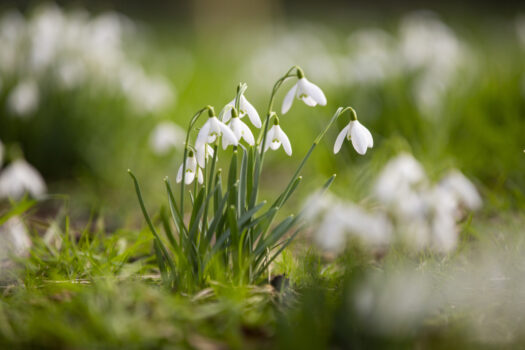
(240, 129)
(245, 108)
(276, 137)
(357, 133)
(191, 170)
(303, 90)
(214, 128)
(19, 178)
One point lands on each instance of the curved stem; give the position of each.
(185, 156)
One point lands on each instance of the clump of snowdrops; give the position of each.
(230, 233)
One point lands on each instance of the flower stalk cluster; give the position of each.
(228, 226)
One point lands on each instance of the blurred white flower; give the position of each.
(14, 239)
(212, 129)
(464, 190)
(192, 170)
(71, 48)
(428, 46)
(398, 177)
(245, 108)
(275, 138)
(166, 135)
(331, 234)
(338, 220)
(373, 57)
(241, 130)
(24, 98)
(359, 135)
(20, 177)
(306, 91)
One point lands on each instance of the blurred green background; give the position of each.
(443, 81)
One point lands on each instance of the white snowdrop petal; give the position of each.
(340, 138)
(200, 176)
(202, 136)
(359, 138)
(228, 134)
(274, 145)
(369, 137)
(251, 111)
(226, 113)
(235, 126)
(179, 174)
(269, 137)
(313, 91)
(285, 141)
(309, 101)
(288, 99)
(188, 178)
(247, 134)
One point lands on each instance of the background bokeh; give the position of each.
(84, 84)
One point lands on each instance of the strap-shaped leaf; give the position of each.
(150, 224)
(248, 215)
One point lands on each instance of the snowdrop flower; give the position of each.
(240, 130)
(191, 170)
(276, 137)
(14, 239)
(203, 152)
(462, 188)
(23, 100)
(398, 178)
(214, 128)
(245, 108)
(304, 90)
(20, 177)
(166, 135)
(359, 135)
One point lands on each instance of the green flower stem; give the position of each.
(182, 183)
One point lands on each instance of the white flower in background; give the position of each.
(359, 135)
(241, 130)
(462, 188)
(24, 98)
(427, 42)
(20, 177)
(276, 137)
(192, 170)
(306, 91)
(373, 57)
(444, 205)
(166, 135)
(414, 212)
(71, 48)
(245, 108)
(204, 151)
(14, 239)
(430, 48)
(400, 175)
(212, 129)
(331, 234)
(338, 220)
